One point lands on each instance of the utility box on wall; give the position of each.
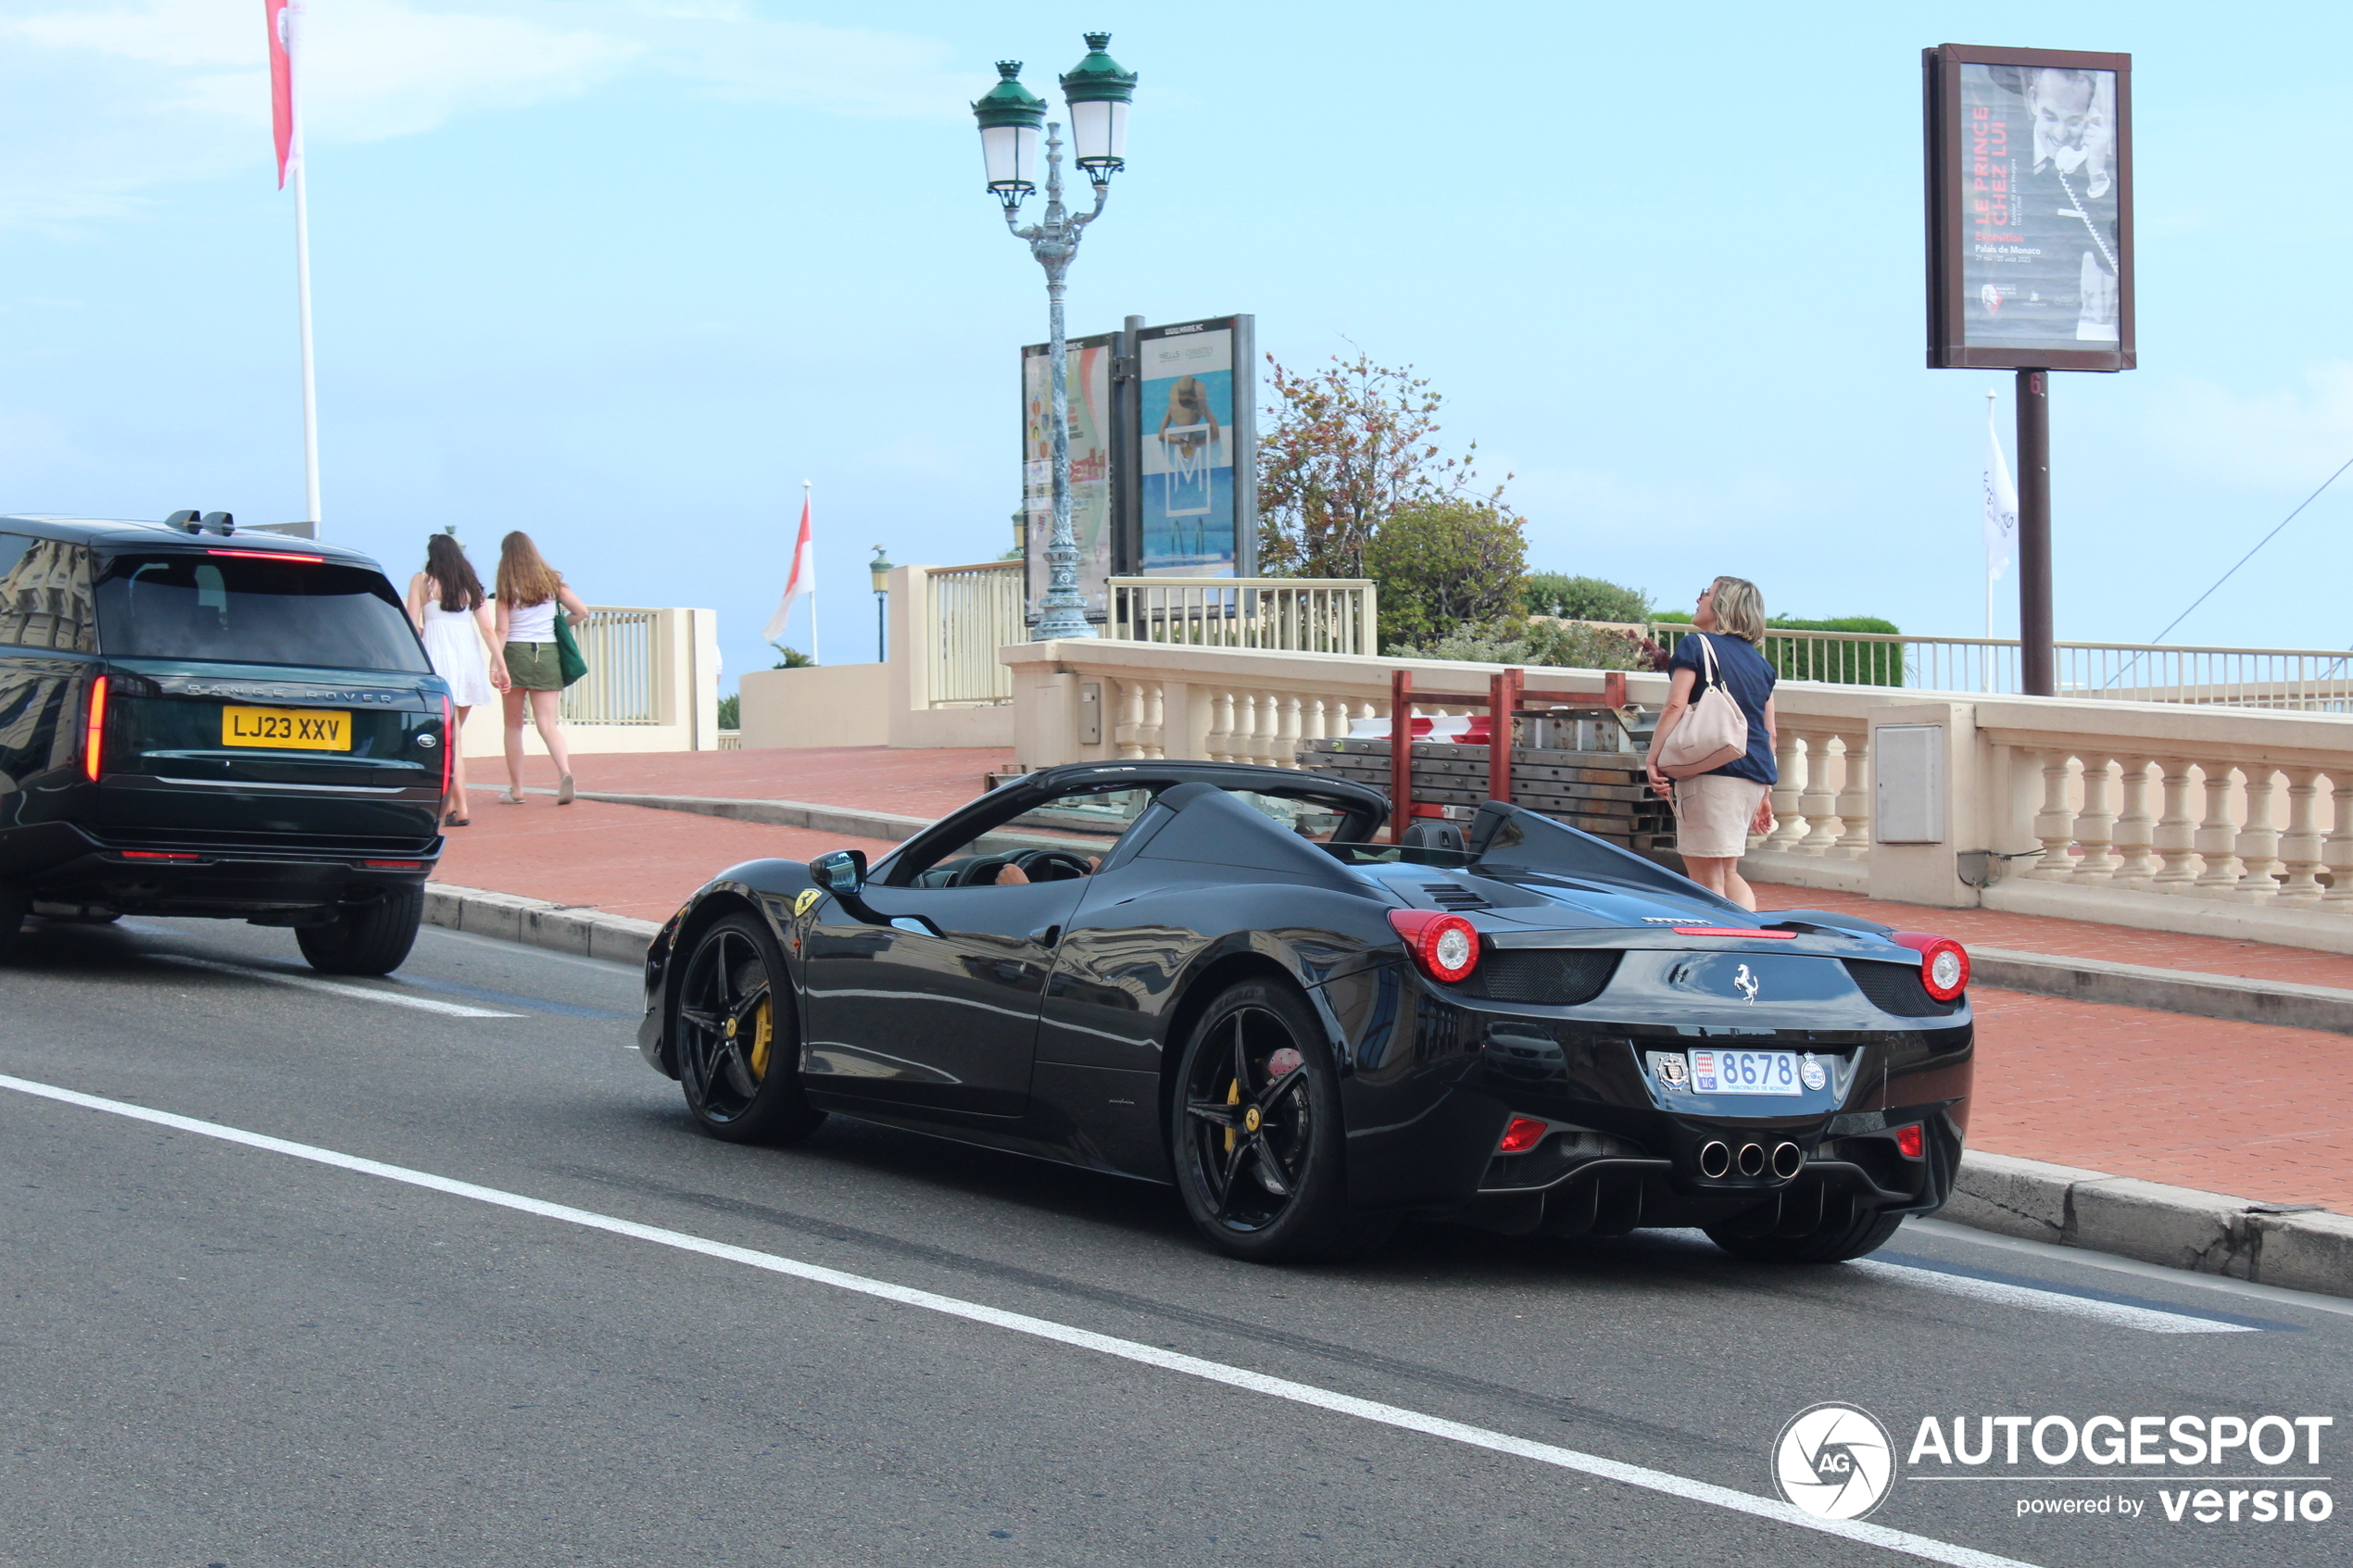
(1907, 801)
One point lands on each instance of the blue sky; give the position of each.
(625, 273)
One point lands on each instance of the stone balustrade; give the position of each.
(2159, 815)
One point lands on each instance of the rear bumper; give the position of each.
(209, 875)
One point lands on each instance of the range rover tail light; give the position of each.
(1943, 963)
(1444, 947)
(93, 735)
(449, 741)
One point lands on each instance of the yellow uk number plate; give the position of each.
(286, 729)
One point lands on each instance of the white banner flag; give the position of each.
(2001, 503)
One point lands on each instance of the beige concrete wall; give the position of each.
(685, 677)
(822, 705)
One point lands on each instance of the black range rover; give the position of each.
(195, 720)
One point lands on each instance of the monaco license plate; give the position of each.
(1745, 1072)
(287, 729)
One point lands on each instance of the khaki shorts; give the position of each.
(1712, 814)
(534, 667)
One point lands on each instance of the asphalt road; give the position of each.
(219, 1353)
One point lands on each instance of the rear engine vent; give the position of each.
(1550, 977)
(1896, 988)
(1453, 896)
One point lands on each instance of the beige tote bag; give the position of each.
(1712, 731)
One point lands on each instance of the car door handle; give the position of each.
(1046, 936)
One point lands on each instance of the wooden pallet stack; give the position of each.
(1601, 792)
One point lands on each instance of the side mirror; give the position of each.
(842, 872)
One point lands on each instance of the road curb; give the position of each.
(2180, 1227)
(561, 928)
(2236, 997)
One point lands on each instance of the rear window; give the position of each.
(252, 610)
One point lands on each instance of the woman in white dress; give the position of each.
(452, 614)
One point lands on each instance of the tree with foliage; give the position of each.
(1342, 451)
(1585, 599)
(1536, 642)
(1440, 562)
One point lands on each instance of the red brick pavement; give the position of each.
(918, 783)
(2190, 1101)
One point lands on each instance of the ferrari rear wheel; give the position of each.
(1255, 1126)
(737, 1041)
(1846, 1235)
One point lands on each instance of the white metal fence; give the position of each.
(1296, 615)
(974, 611)
(622, 684)
(2302, 680)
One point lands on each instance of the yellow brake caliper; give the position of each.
(1233, 1097)
(763, 1032)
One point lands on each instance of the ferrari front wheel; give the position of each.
(738, 1043)
(1255, 1126)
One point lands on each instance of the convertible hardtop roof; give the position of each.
(132, 534)
(1226, 775)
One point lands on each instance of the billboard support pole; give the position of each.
(2038, 658)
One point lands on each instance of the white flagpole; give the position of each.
(814, 657)
(1990, 396)
(302, 297)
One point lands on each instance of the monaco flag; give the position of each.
(285, 18)
(802, 584)
(2001, 503)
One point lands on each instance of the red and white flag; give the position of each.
(802, 584)
(285, 18)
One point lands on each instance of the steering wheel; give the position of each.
(1052, 865)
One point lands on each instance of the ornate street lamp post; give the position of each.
(1098, 92)
(879, 571)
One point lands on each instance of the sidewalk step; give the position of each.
(2236, 997)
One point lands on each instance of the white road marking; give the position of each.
(1661, 1480)
(333, 988)
(2118, 1314)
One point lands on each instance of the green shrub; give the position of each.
(1536, 642)
(1585, 599)
(731, 712)
(1441, 564)
(1852, 664)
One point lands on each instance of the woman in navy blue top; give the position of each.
(1718, 804)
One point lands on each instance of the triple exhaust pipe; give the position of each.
(1716, 1160)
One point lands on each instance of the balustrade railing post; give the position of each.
(1788, 761)
(2300, 846)
(2055, 824)
(1818, 805)
(1855, 799)
(2218, 836)
(2176, 836)
(2259, 839)
(2096, 824)
(2134, 826)
(2337, 850)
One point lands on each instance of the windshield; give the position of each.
(235, 609)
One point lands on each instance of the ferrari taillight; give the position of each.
(93, 735)
(1444, 947)
(1943, 963)
(1522, 1134)
(1908, 1142)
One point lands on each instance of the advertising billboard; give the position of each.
(1088, 369)
(2030, 210)
(1197, 469)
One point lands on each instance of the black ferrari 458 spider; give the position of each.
(1214, 975)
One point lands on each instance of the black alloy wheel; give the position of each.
(1255, 1125)
(737, 1040)
(370, 938)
